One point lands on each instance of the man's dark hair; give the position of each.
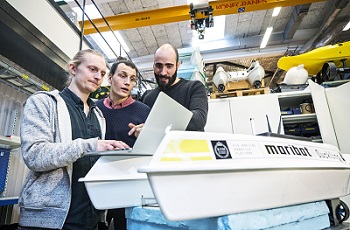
(126, 62)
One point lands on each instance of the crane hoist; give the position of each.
(201, 17)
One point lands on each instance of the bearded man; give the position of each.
(190, 94)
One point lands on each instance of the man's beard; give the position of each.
(165, 86)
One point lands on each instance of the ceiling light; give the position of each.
(347, 27)
(90, 10)
(276, 11)
(122, 42)
(266, 37)
(110, 43)
(31, 89)
(196, 1)
(16, 83)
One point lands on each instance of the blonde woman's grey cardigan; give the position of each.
(49, 152)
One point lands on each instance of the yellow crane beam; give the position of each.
(181, 13)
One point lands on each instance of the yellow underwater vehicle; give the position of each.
(328, 63)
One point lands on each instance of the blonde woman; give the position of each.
(57, 129)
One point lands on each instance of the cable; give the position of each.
(95, 27)
(104, 19)
(82, 27)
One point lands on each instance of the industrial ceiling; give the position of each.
(301, 25)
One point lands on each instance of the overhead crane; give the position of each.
(185, 12)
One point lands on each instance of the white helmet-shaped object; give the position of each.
(296, 75)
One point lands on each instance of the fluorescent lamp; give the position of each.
(113, 43)
(196, 2)
(347, 27)
(122, 42)
(266, 37)
(276, 11)
(90, 10)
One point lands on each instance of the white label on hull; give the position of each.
(271, 149)
(202, 149)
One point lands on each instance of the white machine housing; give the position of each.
(254, 74)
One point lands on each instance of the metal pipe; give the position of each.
(82, 27)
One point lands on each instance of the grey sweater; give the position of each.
(49, 152)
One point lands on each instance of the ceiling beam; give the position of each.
(181, 13)
(333, 11)
(298, 14)
(334, 31)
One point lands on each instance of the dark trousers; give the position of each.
(118, 216)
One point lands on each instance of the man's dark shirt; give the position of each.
(82, 214)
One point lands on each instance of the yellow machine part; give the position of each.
(181, 13)
(314, 59)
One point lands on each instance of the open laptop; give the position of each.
(166, 114)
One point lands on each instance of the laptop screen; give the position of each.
(166, 114)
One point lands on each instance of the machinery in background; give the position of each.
(192, 66)
(330, 72)
(326, 63)
(245, 79)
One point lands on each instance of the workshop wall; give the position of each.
(11, 107)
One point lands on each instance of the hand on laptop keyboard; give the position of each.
(103, 145)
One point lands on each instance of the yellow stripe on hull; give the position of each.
(314, 60)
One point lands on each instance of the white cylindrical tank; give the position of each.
(255, 74)
(220, 79)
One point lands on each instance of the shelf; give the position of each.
(10, 142)
(4, 201)
(294, 94)
(299, 118)
(329, 84)
(293, 99)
